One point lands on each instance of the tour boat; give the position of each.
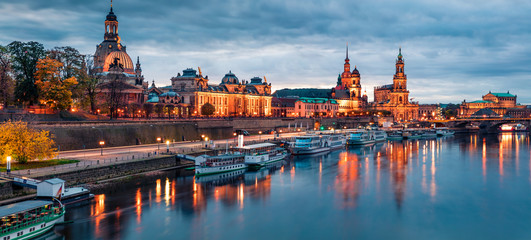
(513, 127)
(413, 134)
(363, 137)
(205, 164)
(395, 135)
(29, 219)
(444, 132)
(429, 134)
(258, 155)
(310, 144)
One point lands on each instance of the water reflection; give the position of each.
(362, 185)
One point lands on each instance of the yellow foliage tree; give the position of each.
(23, 143)
(54, 91)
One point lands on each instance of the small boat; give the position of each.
(258, 155)
(414, 134)
(444, 131)
(228, 162)
(513, 127)
(75, 194)
(379, 135)
(429, 134)
(29, 219)
(312, 143)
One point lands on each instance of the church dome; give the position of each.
(355, 72)
(123, 58)
(111, 16)
(230, 78)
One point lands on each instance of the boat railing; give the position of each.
(33, 221)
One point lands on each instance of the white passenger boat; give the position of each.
(205, 164)
(395, 135)
(444, 131)
(363, 137)
(413, 134)
(29, 219)
(429, 133)
(258, 155)
(310, 144)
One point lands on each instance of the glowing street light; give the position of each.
(259, 135)
(102, 143)
(158, 143)
(8, 164)
(168, 146)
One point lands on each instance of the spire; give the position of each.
(137, 60)
(400, 52)
(347, 52)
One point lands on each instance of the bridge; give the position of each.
(484, 124)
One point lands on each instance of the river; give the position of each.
(460, 187)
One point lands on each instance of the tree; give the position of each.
(7, 84)
(73, 66)
(134, 107)
(169, 110)
(159, 109)
(54, 91)
(114, 96)
(24, 143)
(88, 84)
(208, 109)
(148, 109)
(24, 64)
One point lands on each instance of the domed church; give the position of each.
(111, 53)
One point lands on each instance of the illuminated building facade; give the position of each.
(316, 107)
(112, 63)
(231, 97)
(395, 97)
(501, 103)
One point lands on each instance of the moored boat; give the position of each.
(361, 137)
(430, 133)
(258, 155)
(395, 135)
(29, 219)
(310, 144)
(205, 164)
(444, 131)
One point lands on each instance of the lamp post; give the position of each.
(101, 146)
(8, 164)
(167, 146)
(158, 143)
(259, 135)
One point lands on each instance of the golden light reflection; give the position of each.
(484, 159)
(98, 210)
(158, 191)
(138, 205)
(346, 184)
(167, 192)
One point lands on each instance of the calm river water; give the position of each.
(461, 187)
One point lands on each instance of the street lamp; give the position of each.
(101, 146)
(167, 146)
(259, 135)
(158, 141)
(8, 164)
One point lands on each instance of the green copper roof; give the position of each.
(481, 101)
(317, 100)
(507, 94)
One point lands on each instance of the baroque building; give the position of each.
(231, 97)
(112, 63)
(502, 104)
(395, 97)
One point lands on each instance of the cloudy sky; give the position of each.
(454, 50)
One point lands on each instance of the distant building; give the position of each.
(395, 97)
(283, 107)
(316, 107)
(503, 104)
(430, 111)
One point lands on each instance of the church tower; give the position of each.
(346, 76)
(355, 88)
(111, 27)
(400, 93)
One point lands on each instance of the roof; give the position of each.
(507, 94)
(317, 100)
(54, 181)
(481, 101)
(170, 94)
(485, 111)
(259, 145)
(22, 206)
(303, 92)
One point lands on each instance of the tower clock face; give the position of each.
(110, 46)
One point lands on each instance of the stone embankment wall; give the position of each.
(95, 174)
(6, 189)
(86, 135)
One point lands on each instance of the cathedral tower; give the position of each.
(346, 76)
(400, 93)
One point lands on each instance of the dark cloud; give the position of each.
(454, 49)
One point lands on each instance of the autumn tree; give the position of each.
(23, 143)
(54, 91)
(73, 66)
(7, 84)
(207, 109)
(24, 57)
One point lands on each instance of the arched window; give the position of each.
(400, 99)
